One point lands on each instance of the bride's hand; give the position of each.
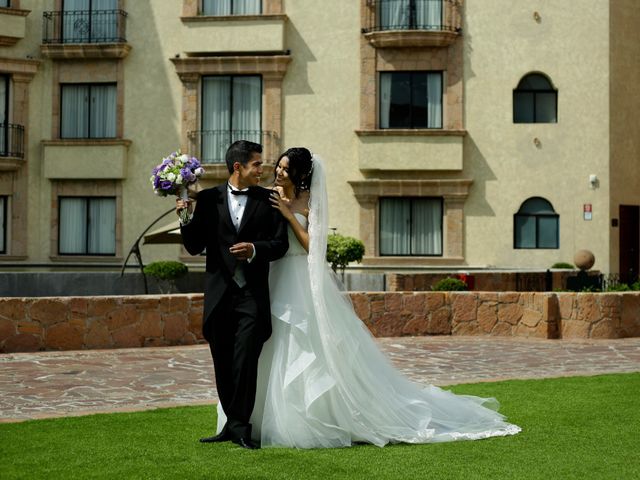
(281, 204)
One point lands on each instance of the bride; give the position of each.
(322, 381)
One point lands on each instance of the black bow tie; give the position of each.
(240, 192)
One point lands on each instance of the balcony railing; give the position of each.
(84, 26)
(212, 145)
(429, 15)
(11, 140)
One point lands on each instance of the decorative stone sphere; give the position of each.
(584, 259)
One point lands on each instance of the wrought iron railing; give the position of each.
(11, 140)
(84, 26)
(434, 15)
(212, 144)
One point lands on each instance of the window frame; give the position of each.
(411, 200)
(231, 96)
(412, 73)
(6, 78)
(201, 10)
(5, 226)
(89, 84)
(534, 93)
(86, 253)
(537, 217)
(412, 25)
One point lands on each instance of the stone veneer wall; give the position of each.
(70, 323)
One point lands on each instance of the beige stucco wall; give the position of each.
(625, 105)
(12, 25)
(503, 42)
(321, 89)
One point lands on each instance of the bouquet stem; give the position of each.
(185, 216)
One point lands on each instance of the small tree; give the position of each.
(342, 250)
(166, 272)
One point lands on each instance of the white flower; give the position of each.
(183, 158)
(171, 176)
(199, 171)
(179, 179)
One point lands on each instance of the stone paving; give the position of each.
(54, 384)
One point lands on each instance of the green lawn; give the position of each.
(578, 427)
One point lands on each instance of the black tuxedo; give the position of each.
(236, 321)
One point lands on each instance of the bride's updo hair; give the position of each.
(300, 168)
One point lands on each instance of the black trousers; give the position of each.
(235, 341)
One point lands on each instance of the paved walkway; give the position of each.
(54, 384)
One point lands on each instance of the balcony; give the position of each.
(11, 146)
(412, 23)
(13, 25)
(85, 34)
(85, 158)
(210, 147)
(410, 150)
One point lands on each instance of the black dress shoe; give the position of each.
(221, 437)
(246, 443)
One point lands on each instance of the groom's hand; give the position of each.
(242, 251)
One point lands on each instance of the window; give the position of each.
(411, 226)
(536, 225)
(4, 114)
(535, 100)
(231, 7)
(5, 3)
(3, 224)
(87, 225)
(410, 14)
(88, 111)
(411, 100)
(231, 110)
(87, 21)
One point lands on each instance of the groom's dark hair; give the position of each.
(241, 151)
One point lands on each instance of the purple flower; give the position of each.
(166, 185)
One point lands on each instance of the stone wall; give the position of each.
(73, 323)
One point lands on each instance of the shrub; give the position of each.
(166, 270)
(342, 250)
(620, 287)
(635, 286)
(563, 265)
(449, 285)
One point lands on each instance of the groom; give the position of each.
(242, 233)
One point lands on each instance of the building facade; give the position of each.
(457, 134)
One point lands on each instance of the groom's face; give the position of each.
(249, 174)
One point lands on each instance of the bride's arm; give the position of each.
(299, 231)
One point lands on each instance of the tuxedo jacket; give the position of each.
(211, 228)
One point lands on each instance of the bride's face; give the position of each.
(282, 173)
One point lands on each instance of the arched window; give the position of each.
(535, 100)
(536, 225)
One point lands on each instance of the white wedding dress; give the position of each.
(323, 382)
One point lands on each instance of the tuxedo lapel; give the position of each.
(249, 209)
(223, 208)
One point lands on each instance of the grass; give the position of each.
(577, 427)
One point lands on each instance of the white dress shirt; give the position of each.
(236, 205)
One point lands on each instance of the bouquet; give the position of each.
(174, 175)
